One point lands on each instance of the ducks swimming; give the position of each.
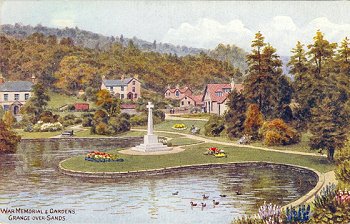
(176, 193)
(203, 205)
(193, 204)
(238, 193)
(205, 196)
(215, 202)
(223, 195)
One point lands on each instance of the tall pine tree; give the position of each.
(260, 86)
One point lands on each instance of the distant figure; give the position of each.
(238, 193)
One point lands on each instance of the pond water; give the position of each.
(30, 179)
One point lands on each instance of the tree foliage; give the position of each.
(235, 116)
(264, 71)
(254, 120)
(8, 139)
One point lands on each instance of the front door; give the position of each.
(130, 96)
(16, 110)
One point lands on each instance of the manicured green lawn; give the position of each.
(302, 146)
(198, 115)
(195, 155)
(24, 134)
(168, 124)
(183, 141)
(58, 100)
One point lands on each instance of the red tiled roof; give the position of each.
(195, 98)
(214, 88)
(182, 90)
(128, 106)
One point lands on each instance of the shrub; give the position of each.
(253, 121)
(8, 139)
(118, 125)
(8, 118)
(101, 128)
(48, 117)
(214, 126)
(71, 107)
(277, 132)
(138, 120)
(47, 127)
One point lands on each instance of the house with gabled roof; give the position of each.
(215, 97)
(191, 101)
(177, 93)
(124, 88)
(14, 94)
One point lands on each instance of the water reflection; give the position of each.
(30, 179)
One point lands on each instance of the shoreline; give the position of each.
(170, 170)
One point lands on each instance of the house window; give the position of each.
(121, 96)
(16, 96)
(133, 83)
(6, 107)
(182, 102)
(177, 94)
(133, 89)
(135, 96)
(122, 88)
(26, 96)
(111, 88)
(227, 90)
(6, 97)
(189, 102)
(218, 93)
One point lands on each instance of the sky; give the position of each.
(202, 24)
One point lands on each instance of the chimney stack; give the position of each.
(2, 80)
(33, 78)
(103, 77)
(123, 76)
(232, 84)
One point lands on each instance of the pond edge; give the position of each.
(307, 198)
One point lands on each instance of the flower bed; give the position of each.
(179, 127)
(47, 127)
(218, 153)
(96, 156)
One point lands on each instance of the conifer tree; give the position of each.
(260, 86)
(235, 115)
(329, 125)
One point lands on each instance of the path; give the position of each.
(206, 140)
(75, 128)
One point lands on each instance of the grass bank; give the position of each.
(194, 155)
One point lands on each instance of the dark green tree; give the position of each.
(260, 86)
(235, 116)
(36, 103)
(8, 139)
(330, 125)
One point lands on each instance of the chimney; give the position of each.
(232, 84)
(168, 86)
(2, 80)
(33, 78)
(123, 76)
(103, 77)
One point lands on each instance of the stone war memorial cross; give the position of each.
(150, 140)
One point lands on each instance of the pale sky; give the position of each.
(202, 24)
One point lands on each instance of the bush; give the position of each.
(47, 127)
(214, 126)
(277, 132)
(138, 120)
(48, 117)
(253, 121)
(101, 129)
(9, 139)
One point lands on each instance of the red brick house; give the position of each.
(215, 95)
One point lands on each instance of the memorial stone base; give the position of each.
(151, 144)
